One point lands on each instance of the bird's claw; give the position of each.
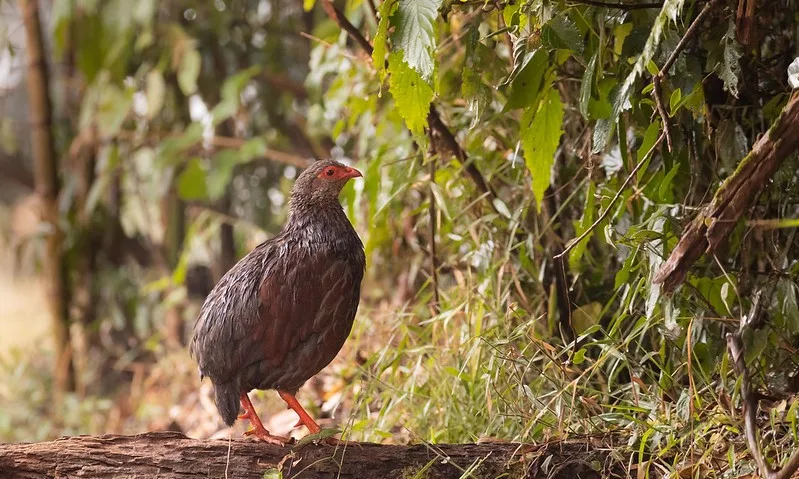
(265, 436)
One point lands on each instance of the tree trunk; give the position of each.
(172, 455)
(48, 187)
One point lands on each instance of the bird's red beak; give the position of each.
(352, 173)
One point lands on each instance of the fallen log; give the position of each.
(169, 455)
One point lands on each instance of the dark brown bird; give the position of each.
(283, 312)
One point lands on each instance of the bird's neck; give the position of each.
(321, 221)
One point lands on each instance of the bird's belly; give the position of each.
(303, 362)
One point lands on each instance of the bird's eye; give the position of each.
(329, 172)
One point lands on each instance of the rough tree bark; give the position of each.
(48, 187)
(171, 455)
(715, 222)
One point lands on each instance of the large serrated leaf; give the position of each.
(562, 32)
(415, 33)
(412, 95)
(540, 139)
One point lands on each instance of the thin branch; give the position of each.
(433, 232)
(749, 400)
(224, 142)
(338, 17)
(605, 213)
(619, 6)
(657, 91)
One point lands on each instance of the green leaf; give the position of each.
(650, 137)
(189, 71)
(308, 5)
(578, 357)
(581, 226)
(155, 89)
(476, 93)
(231, 94)
(675, 101)
(319, 436)
(415, 34)
(540, 139)
(526, 79)
(587, 84)
(252, 148)
(561, 32)
(224, 161)
(233, 86)
(387, 8)
(412, 95)
(112, 108)
(668, 12)
(191, 183)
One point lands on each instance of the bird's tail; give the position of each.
(227, 401)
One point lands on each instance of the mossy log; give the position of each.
(169, 455)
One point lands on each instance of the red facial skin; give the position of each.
(339, 173)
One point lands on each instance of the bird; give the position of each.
(284, 311)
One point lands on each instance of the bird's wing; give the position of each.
(303, 298)
(229, 315)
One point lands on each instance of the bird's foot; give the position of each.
(262, 434)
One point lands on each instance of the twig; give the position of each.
(657, 91)
(223, 142)
(620, 6)
(750, 400)
(605, 213)
(338, 17)
(433, 232)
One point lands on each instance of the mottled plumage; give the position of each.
(283, 312)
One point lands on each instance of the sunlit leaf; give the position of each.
(415, 34)
(540, 139)
(412, 95)
(156, 89)
(188, 71)
(191, 182)
(112, 108)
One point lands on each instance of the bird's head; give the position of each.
(322, 181)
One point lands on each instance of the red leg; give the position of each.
(258, 430)
(305, 418)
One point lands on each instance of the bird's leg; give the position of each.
(258, 430)
(305, 418)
